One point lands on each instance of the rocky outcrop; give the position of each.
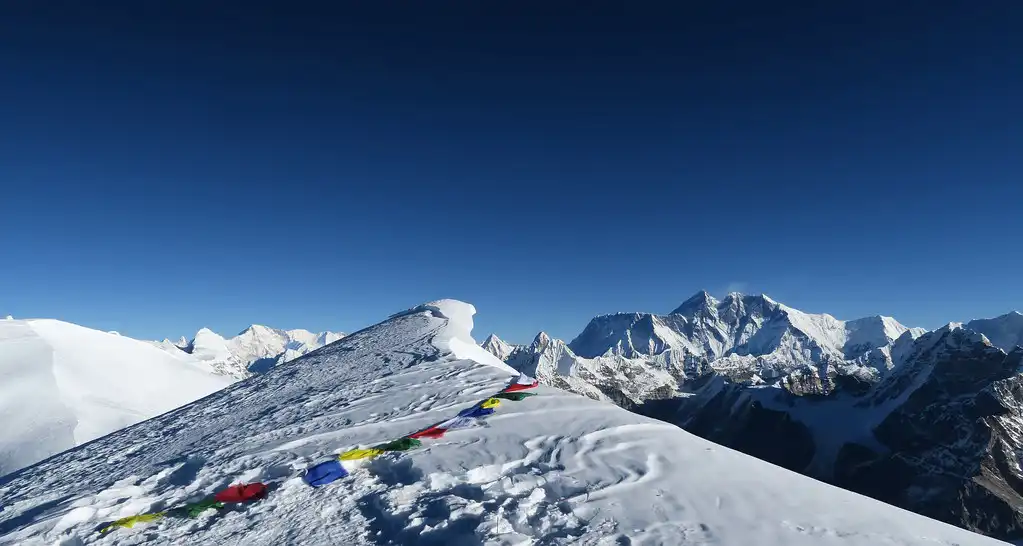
(949, 448)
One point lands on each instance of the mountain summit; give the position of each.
(497, 347)
(1004, 332)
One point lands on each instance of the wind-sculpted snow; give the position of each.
(556, 468)
(62, 385)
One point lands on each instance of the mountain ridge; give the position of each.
(254, 350)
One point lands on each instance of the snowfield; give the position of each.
(556, 468)
(62, 385)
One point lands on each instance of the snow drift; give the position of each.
(62, 385)
(556, 468)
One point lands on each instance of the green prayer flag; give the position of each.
(401, 444)
(514, 396)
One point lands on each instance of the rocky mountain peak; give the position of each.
(699, 301)
(497, 347)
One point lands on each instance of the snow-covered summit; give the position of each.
(1005, 332)
(497, 347)
(63, 385)
(552, 469)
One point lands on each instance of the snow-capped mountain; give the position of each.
(498, 347)
(753, 333)
(555, 468)
(1004, 332)
(62, 385)
(255, 350)
(626, 381)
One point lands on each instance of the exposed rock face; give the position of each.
(731, 415)
(941, 435)
(952, 443)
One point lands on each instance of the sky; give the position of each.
(166, 166)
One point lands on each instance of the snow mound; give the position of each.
(555, 468)
(62, 385)
(456, 336)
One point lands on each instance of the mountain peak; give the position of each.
(697, 301)
(1005, 331)
(497, 347)
(541, 339)
(260, 330)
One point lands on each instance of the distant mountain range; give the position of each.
(929, 421)
(255, 350)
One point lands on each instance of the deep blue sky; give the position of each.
(171, 165)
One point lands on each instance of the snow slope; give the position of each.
(557, 468)
(62, 385)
